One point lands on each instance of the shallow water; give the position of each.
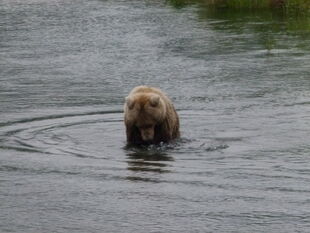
(240, 83)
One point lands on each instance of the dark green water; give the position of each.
(240, 82)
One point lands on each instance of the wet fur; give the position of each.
(164, 116)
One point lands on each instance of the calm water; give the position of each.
(240, 82)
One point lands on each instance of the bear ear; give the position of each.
(154, 101)
(130, 103)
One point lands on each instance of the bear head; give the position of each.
(145, 111)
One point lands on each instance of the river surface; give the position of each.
(239, 81)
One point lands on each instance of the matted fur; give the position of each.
(149, 114)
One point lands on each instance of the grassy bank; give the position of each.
(288, 6)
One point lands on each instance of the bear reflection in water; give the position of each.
(150, 117)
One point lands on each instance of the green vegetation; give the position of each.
(297, 7)
(250, 4)
(288, 6)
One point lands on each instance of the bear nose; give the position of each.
(147, 136)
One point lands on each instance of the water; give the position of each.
(239, 81)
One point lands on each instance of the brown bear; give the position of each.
(150, 117)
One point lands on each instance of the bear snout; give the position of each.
(147, 134)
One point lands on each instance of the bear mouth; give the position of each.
(148, 142)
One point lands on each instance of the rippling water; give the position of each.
(240, 83)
